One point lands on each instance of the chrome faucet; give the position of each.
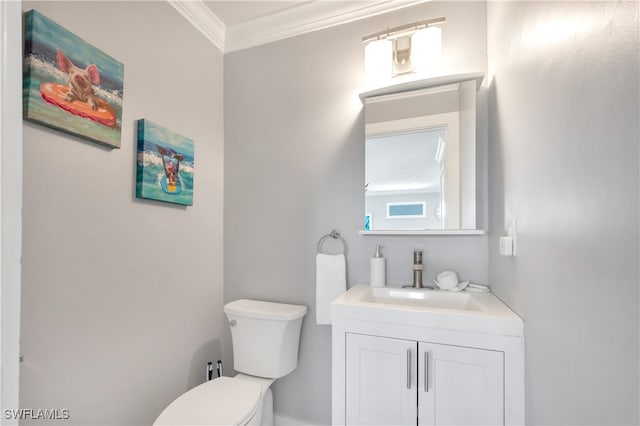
(417, 269)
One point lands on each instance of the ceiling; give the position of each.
(240, 24)
(239, 12)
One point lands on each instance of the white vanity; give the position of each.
(425, 357)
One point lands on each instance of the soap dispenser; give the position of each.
(378, 273)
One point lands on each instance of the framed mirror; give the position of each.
(420, 167)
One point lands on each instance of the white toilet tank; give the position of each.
(265, 336)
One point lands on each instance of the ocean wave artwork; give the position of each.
(165, 165)
(70, 85)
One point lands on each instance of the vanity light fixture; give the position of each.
(405, 49)
(377, 65)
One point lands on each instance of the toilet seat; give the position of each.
(222, 401)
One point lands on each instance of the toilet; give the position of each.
(265, 339)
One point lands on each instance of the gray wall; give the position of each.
(564, 107)
(122, 298)
(294, 167)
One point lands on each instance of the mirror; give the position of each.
(420, 141)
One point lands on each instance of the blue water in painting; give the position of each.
(42, 38)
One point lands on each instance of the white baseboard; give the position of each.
(290, 421)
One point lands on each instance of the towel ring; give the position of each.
(336, 236)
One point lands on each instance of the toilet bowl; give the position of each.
(265, 338)
(222, 401)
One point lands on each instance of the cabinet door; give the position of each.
(380, 381)
(460, 386)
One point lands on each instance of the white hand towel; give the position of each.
(331, 281)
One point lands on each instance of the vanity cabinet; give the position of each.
(415, 357)
(404, 382)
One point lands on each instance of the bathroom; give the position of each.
(121, 302)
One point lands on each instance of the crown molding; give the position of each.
(203, 19)
(304, 18)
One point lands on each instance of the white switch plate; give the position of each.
(506, 246)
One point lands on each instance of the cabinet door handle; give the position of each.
(408, 368)
(426, 371)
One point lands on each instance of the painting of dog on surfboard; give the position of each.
(70, 85)
(165, 165)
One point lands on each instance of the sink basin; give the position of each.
(427, 299)
(464, 311)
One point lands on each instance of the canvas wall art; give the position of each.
(70, 85)
(165, 165)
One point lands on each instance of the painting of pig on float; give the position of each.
(70, 85)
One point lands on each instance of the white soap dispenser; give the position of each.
(378, 272)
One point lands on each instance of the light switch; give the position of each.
(506, 246)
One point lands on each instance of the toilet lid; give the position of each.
(223, 401)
